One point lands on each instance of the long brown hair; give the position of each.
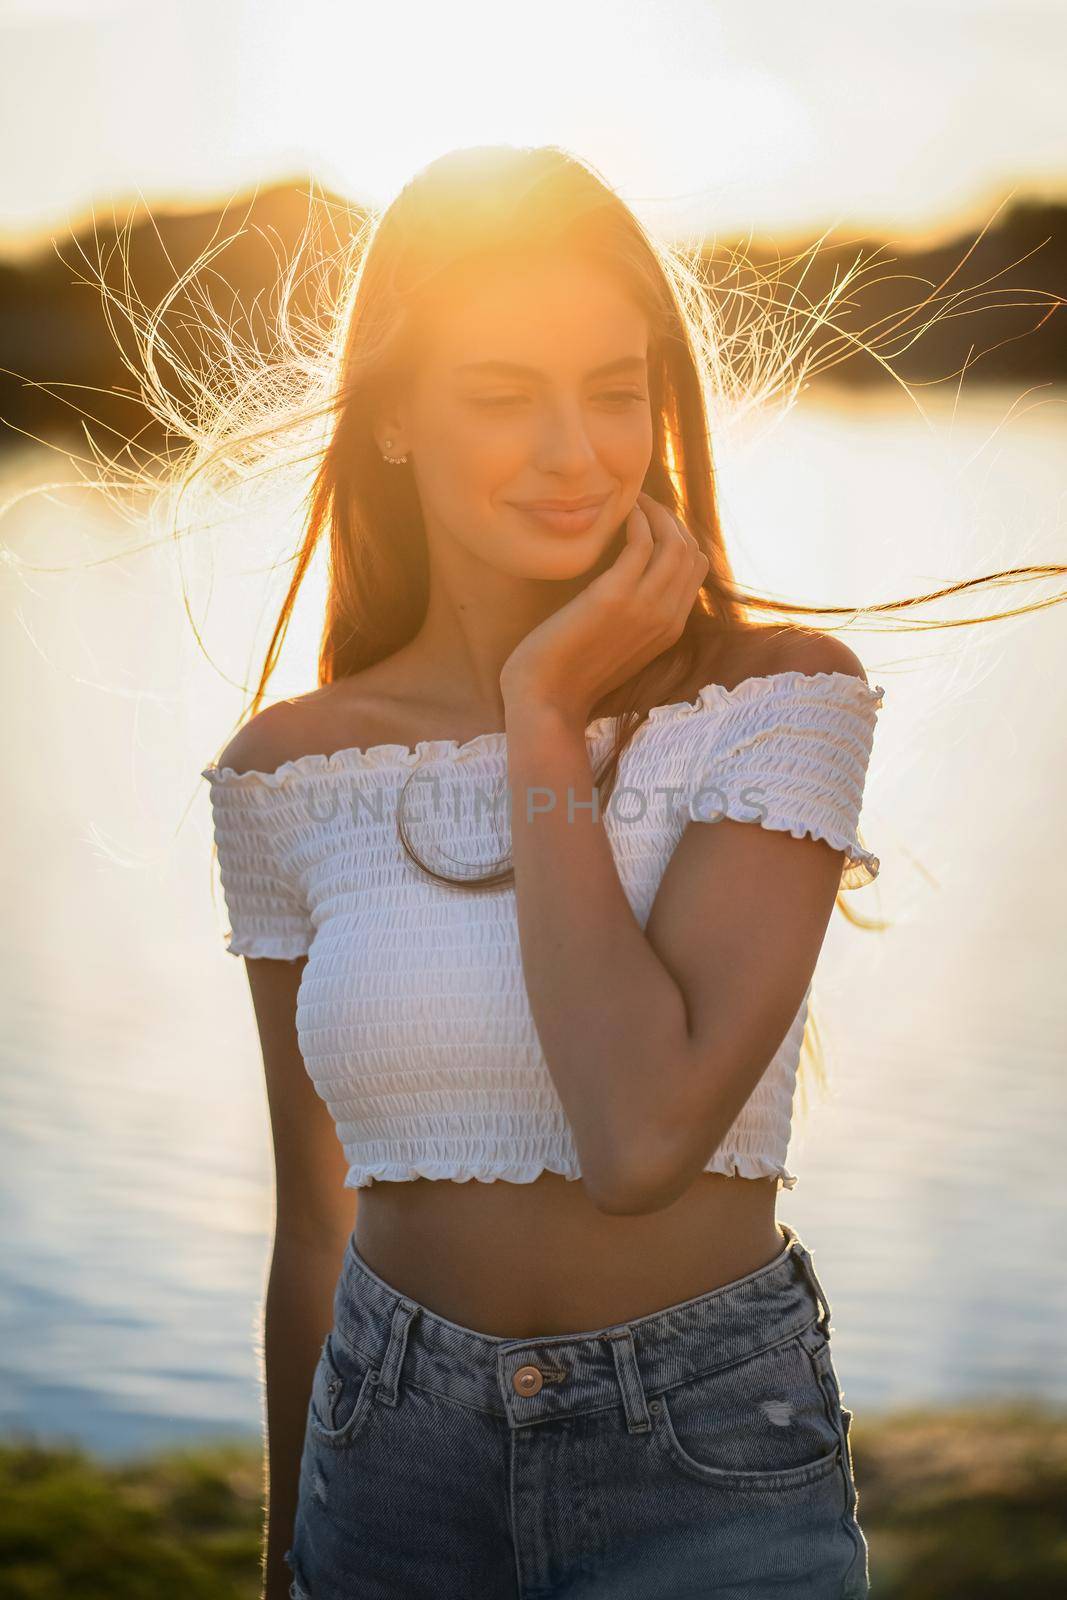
(464, 211)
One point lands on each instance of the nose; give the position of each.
(564, 447)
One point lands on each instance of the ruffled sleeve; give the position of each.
(267, 909)
(792, 755)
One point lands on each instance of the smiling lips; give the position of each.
(565, 516)
(564, 505)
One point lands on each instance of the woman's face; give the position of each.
(513, 403)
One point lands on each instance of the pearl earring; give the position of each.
(396, 460)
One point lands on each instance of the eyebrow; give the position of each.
(513, 369)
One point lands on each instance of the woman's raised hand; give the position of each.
(620, 621)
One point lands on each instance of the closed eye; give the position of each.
(616, 396)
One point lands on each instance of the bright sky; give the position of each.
(706, 116)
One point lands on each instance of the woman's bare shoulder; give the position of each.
(333, 717)
(768, 648)
(808, 651)
(263, 742)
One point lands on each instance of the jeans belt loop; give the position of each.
(388, 1379)
(631, 1386)
(804, 1256)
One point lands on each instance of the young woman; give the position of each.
(511, 985)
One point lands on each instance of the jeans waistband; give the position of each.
(530, 1380)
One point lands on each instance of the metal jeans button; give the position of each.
(527, 1380)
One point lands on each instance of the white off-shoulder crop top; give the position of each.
(412, 1013)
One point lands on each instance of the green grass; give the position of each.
(961, 1504)
(182, 1523)
(968, 1503)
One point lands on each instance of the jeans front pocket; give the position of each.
(342, 1391)
(822, 1361)
(760, 1424)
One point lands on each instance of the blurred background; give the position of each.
(135, 1166)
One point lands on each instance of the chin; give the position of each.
(559, 558)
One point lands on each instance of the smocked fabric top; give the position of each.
(412, 1013)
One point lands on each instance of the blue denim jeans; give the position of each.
(702, 1450)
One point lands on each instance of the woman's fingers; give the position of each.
(691, 574)
(636, 553)
(660, 569)
(672, 548)
(673, 577)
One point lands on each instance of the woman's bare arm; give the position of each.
(314, 1217)
(656, 1037)
(314, 1212)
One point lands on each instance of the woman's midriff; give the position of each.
(520, 1259)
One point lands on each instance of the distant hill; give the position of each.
(53, 329)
